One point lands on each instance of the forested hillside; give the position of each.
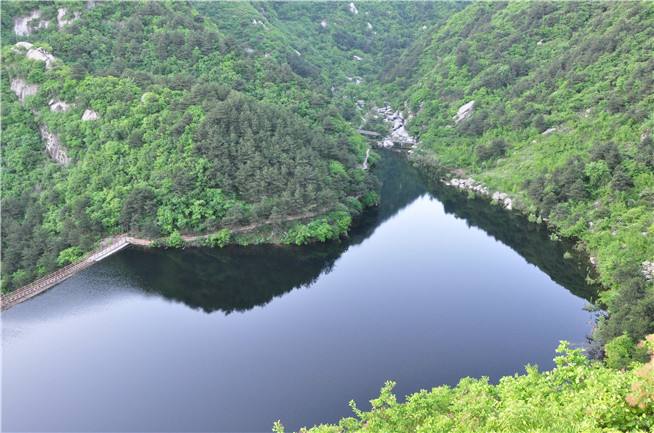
(168, 118)
(148, 118)
(562, 115)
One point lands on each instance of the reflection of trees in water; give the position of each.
(532, 241)
(240, 278)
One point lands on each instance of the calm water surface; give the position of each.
(429, 288)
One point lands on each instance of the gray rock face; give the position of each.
(464, 112)
(62, 21)
(53, 146)
(41, 55)
(21, 47)
(648, 270)
(89, 115)
(59, 106)
(22, 89)
(470, 184)
(24, 26)
(398, 133)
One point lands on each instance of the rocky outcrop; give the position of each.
(24, 26)
(22, 89)
(464, 112)
(398, 135)
(89, 115)
(53, 146)
(62, 21)
(59, 106)
(469, 184)
(648, 270)
(41, 55)
(21, 47)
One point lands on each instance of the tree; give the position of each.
(621, 181)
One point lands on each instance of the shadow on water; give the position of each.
(240, 278)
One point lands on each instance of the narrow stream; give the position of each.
(430, 287)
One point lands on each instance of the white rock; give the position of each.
(464, 112)
(41, 55)
(549, 131)
(357, 58)
(539, 42)
(21, 47)
(353, 8)
(297, 52)
(22, 89)
(61, 21)
(59, 106)
(89, 115)
(323, 24)
(249, 50)
(22, 24)
(369, 26)
(648, 270)
(53, 146)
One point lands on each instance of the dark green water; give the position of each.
(429, 287)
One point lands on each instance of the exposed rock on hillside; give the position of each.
(41, 55)
(470, 184)
(54, 147)
(353, 8)
(22, 89)
(648, 270)
(59, 106)
(21, 46)
(62, 21)
(399, 134)
(23, 26)
(464, 112)
(89, 115)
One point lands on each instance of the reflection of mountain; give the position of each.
(530, 240)
(240, 278)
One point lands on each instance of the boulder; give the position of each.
(464, 112)
(353, 8)
(41, 55)
(21, 47)
(53, 146)
(59, 106)
(22, 89)
(89, 115)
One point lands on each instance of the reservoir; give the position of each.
(430, 287)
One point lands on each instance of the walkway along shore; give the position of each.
(109, 246)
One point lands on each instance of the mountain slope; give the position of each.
(144, 118)
(562, 121)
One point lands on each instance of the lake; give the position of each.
(429, 287)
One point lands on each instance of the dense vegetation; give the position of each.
(193, 135)
(562, 121)
(213, 116)
(578, 395)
